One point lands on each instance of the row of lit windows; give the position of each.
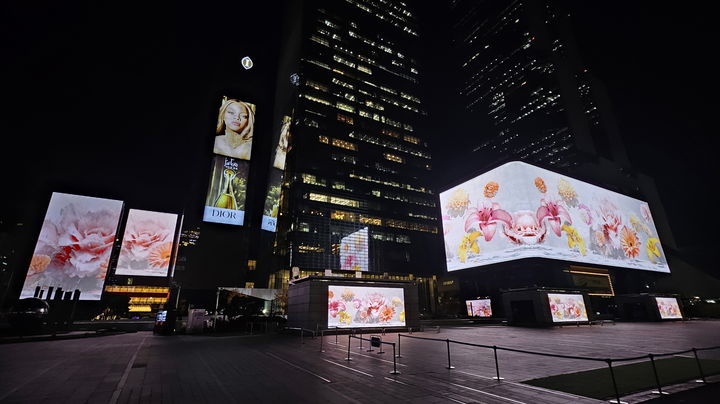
(369, 178)
(321, 182)
(391, 145)
(335, 200)
(337, 142)
(364, 219)
(147, 300)
(360, 4)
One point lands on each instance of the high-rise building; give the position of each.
(356, 195)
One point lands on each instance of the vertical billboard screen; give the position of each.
(668, 308)
(566, 307)
(272, 198)
(147, 244)
(479, 308)
(363, 306)
(521, 211)
(74, 246)
(225, 202)
(354, 251)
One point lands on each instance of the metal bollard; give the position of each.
(657, 379)
(449, 366)
(497, 368)
(612, 375)
(322, 337)
(395, 371)
(702, 375)
(349, 337)
(398, 348)
(336, 335)
(361, 334)
(302, 334)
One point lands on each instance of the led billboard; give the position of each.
(479, 308)
(272, 197)
(354, 251)
(234, 130)
(521, 211)
(74, 246)
(225, 201)
(147, 243)
(362, 306)
(668, 308)
(566, 307)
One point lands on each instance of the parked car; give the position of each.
(29, 314)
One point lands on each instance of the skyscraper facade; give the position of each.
(355, 194)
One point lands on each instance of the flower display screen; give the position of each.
(362, 306)
(147, 243)
(354, 251)
(479, 308)
(74, 246)
(565, 307)
(668, 308)
(521, 211)
(272, 197)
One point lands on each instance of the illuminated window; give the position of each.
(249, 285)
(364, 69)
(320, 40)
(323, 139)
(342, 83)
(311, 179)
(252, 264)
(370, 220)
(316, 85)
(333, 199)
(316, 99)
(393, 157)
(343, 61)
(346, 119)
(344, 107)
(411, 139)
(344, 144)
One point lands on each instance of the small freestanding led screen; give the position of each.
(354, 251)
(147, 244)
(668, 308)
(566, 307)
(479, 308)
(521, 211)
(363, 306)
(74, 246)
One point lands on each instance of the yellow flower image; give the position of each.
(639, 225)
(402, 315)
(566, 190)
(491, 189)
(574, 239)
(458, 202)
(344, 317)
(396, 301)
(347, 295)
(651, 246)
(468, 243)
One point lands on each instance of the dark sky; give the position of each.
(112, 101)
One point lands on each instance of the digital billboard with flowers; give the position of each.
(147, 244)
(362, 306)
(479, 308)
(564, 307)
(521, 211)
(74, 246)
(668, 308)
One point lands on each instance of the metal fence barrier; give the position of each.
(608, 361)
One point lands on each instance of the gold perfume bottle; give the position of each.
(226, 198)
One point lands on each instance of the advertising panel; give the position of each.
(668, 308)
(479, 308)
(225, 201)
(566, 307)
(234, 130)
(363, 306)
(74, 246)
(521, 211)
(272, 197)
(147, 244)
(354, 251)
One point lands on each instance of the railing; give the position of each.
(302, 332)
(609, 361)
(350, 337)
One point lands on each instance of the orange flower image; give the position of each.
(39, 263)
(386, 313)
(491, 189)
(159, 256)
(330, 294)
(540, 185)
(629, 242)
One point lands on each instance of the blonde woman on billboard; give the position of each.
(235, 129)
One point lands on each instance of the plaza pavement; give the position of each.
(273, 368)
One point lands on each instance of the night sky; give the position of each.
(113, 101)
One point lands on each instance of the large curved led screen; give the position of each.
(74, 246)
(147, 243)
(521, 211)
(362, 306)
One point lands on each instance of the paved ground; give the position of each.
(141, 367)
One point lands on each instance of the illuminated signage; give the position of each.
(479, 308)
(362, 306)
(74, 246)
(668, 308)
(147, 243)
(225, 201)
(354, 251)
(567, 307)
(272, 197)
(520, 211)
